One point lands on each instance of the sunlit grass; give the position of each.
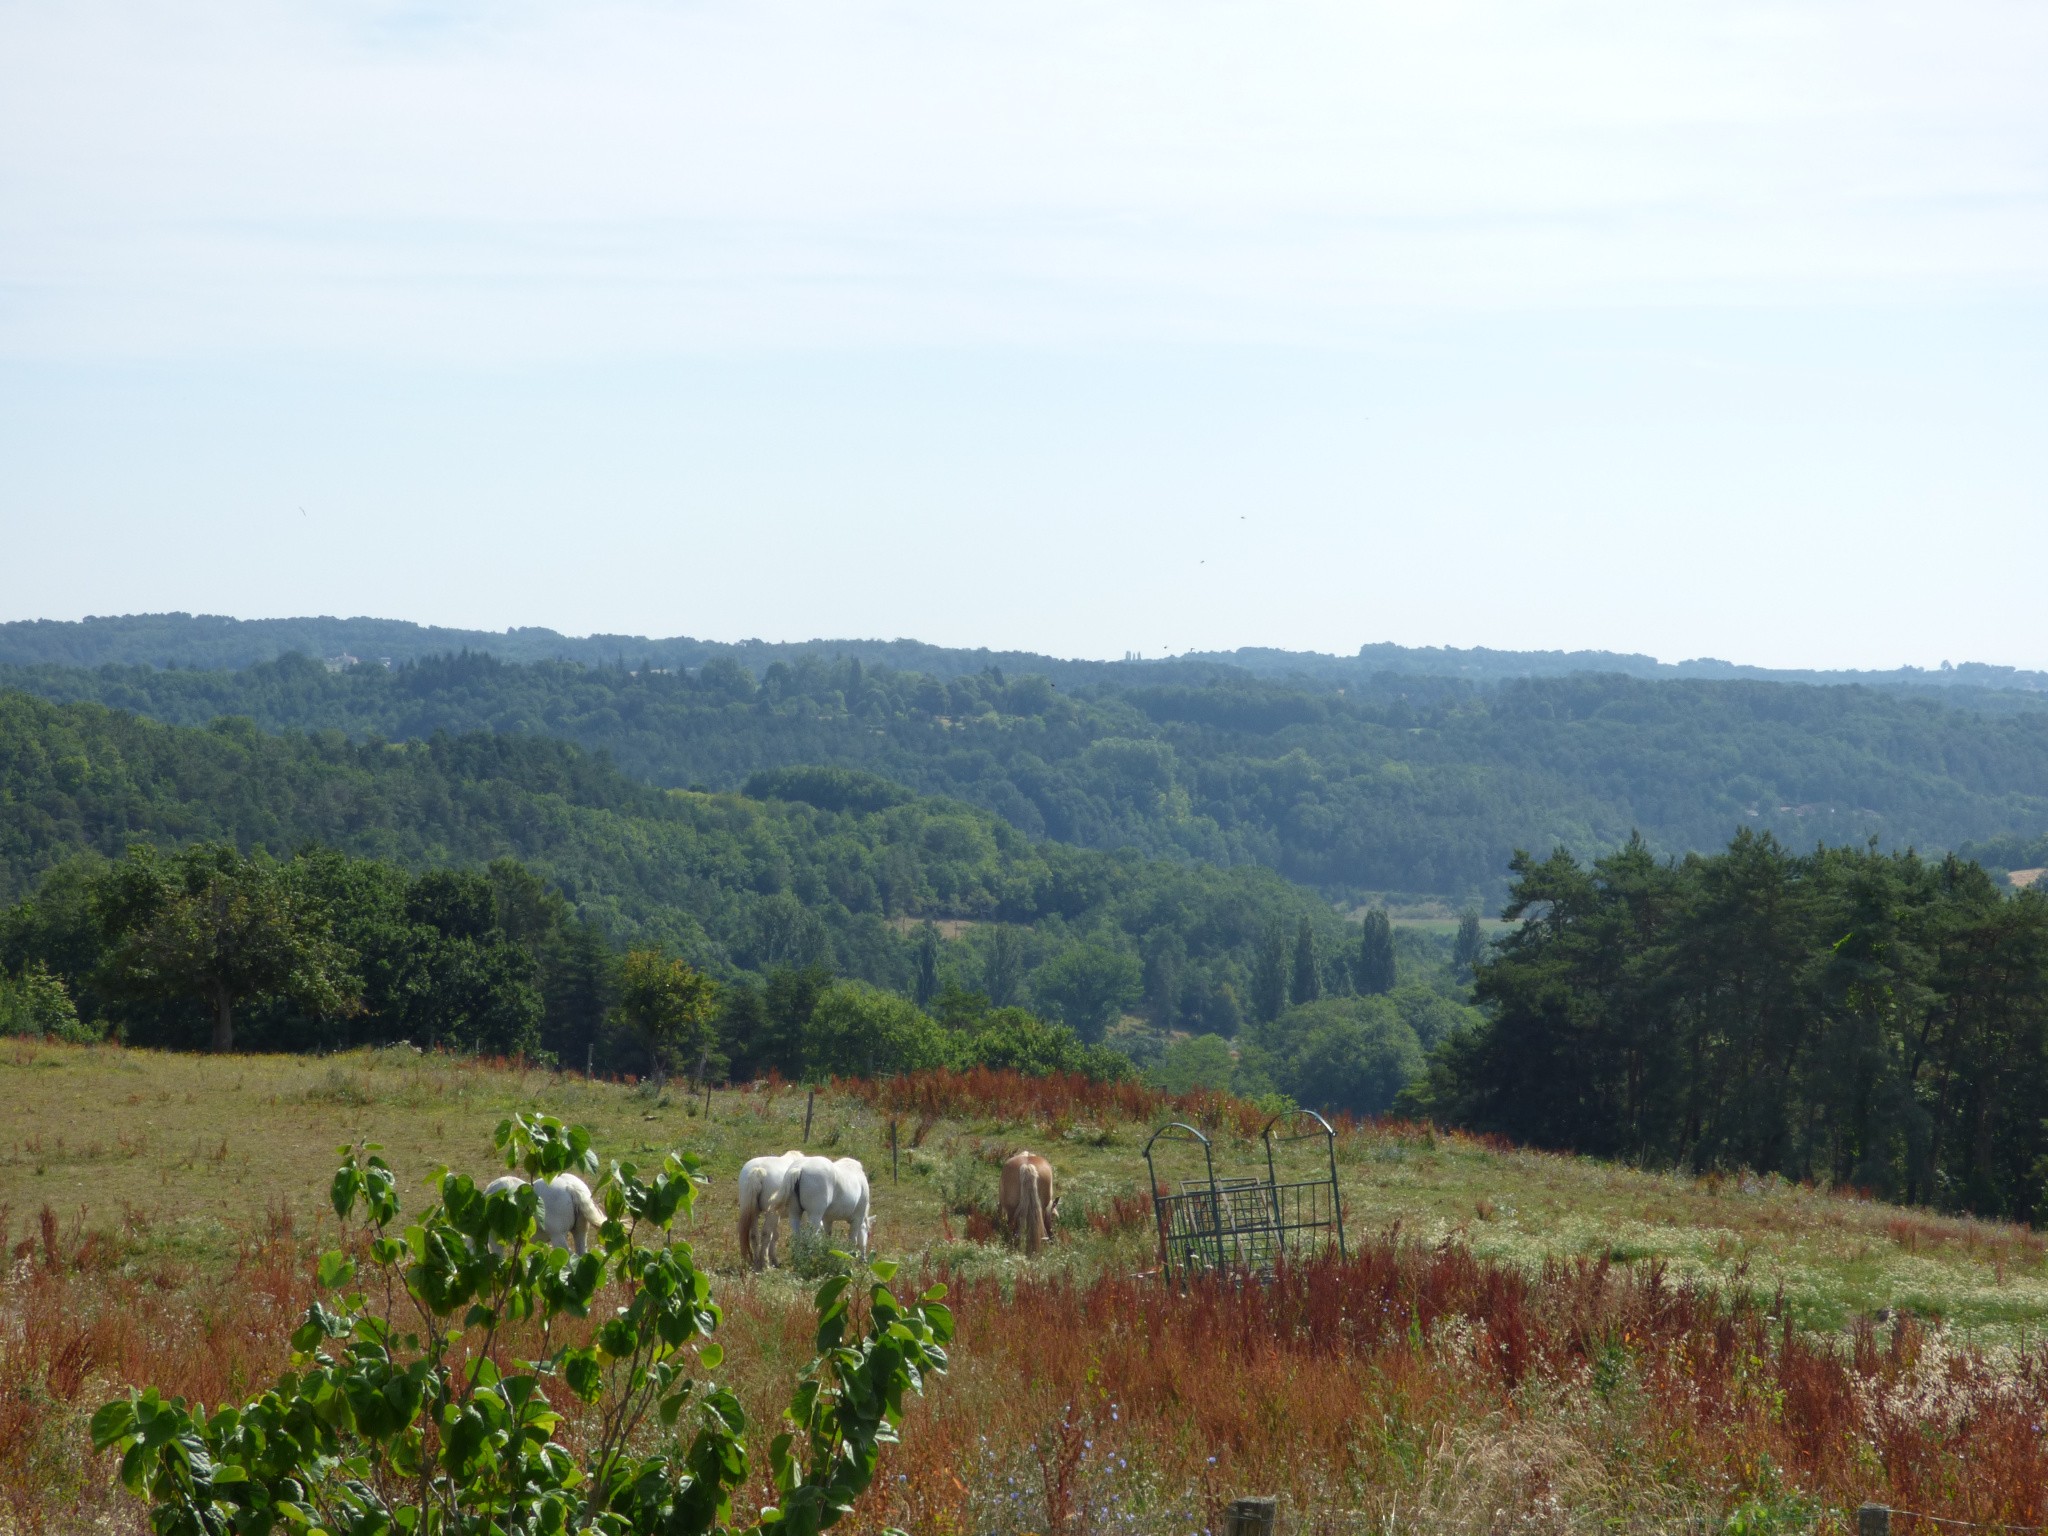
(171, 1181)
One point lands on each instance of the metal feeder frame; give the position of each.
(1218, 1225)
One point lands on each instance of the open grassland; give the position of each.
(1520, 1342)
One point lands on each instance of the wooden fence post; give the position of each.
(809, 1104)
(1873, 1520)
(1255, 1517)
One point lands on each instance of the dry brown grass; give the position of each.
(1526, 1342)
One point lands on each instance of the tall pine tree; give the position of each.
(927, 963)
(1465, 953)
(1308, 979)
(1374, 966)
(1269, 975)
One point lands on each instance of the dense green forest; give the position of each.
(212, 641)
(1875, 1019)
(824, 868)
(1406, 784)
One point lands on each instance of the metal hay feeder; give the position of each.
(1245, 1224)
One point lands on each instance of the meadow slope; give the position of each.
(1521, 1340)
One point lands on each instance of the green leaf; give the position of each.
(336, 1270)
(584, 1372)
(884, 1269)
(711, 1356)
(113, 1423)
(342, 1193)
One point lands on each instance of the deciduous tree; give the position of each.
(221, 930)
(669, 1005)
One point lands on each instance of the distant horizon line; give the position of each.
(1366, 651)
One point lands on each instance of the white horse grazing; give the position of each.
(829, 1191)
(766, 1184)
(1028, 1201)
(568, 1214)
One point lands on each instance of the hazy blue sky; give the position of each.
(1692, 328)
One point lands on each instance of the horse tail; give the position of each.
(588, 1219)
(1030, 1209)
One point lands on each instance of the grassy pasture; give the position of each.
(162, 1208)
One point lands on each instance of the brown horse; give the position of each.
(1028, 1199)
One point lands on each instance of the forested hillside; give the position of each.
(210, 640)
(836, 870)
(1406, 783)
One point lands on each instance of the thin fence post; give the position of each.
(1873, 1520)
(589, 1060)
(892, 1149)
(810, 1103)
(1256, 1517)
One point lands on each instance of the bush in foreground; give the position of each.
(406, 1410)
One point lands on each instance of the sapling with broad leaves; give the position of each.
(405, 1413)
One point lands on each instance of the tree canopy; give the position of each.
(1357, 782)
(1873, 1019)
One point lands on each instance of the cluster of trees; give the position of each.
(1874, 1019)
(2006, 854)
(1389, 782)
(1345, 1033)
(210, 947)
(207, 946)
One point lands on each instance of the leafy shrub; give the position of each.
(38, 1003)
(401, 1414)
(1012, 1040)
(859, 1030)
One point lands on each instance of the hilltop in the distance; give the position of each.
(212, 641)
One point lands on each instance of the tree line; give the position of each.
(208, 947)
(214, 641)
(1873, 1019)
(1392, 782)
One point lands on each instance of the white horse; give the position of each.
(766, 1184)
(829, 1190)
(568, 1214)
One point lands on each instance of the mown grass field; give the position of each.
(1675, 1349)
